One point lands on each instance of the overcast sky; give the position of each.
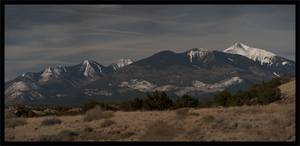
(39, 36)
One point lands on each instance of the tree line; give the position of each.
(258, 94)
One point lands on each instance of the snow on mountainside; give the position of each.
(256, 54)
(197, 53)
(90, 68)
(17, 89)
(146, 86)
(141, 85)
(121, 63)
(198, 86)
(220, 84)
(29, 75)
(195, 72)
(52, 72)
(20, 86)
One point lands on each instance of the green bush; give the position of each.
(157, 101)
(206, 104)
(264, 93)
(222, 98)
(267, 95)
(24, 112)
(135, 104)
(160, 101)
(186, 101)
(89, 105)
(124, 106)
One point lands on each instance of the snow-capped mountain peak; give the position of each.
(47, 72)
(86, 62)
(197, 53)
(256, 54)
(90, 68)
(241, 45)
(52, 72)
(121, 63)
(87, 68)
(197, 72)
(59, 69)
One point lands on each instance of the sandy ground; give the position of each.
(273, 122)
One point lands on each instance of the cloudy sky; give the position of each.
(39, 36)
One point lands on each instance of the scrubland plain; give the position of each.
(272, 122)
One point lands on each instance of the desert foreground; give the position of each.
(272, 122)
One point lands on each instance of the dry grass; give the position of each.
(208, 118)
(96, 114)
(88, 129)
(65, 135)
(195, 114)
(268, 123)
(160, 131)
(9, 115)
(288, 91)
(273, 122)
(51, 121)
(14, 122)
(182, 113)
(107, 123)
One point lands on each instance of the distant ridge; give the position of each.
(198, 72)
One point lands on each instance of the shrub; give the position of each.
(124, 106)
(14, 122)
(267, 95)
(194, 114)
(242, 97)
(89, 105)
(160, 101)
(9, 114)
(182, 113)
(135, 104)
(160, 131)
(107, 123)
(273, 83)
(264, 93)
(208, 118)
(68, 134)
(24, 112)
(259, 94)
(65, 135)
(157, 101)
(92, 104)
(50, 121)
(88, 129)
(205, 104)
(186, 101)
(222, 98)
(96, 114)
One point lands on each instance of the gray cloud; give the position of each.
(37, 36)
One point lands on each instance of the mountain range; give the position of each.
(198, 72)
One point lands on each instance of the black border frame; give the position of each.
(152, 2)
